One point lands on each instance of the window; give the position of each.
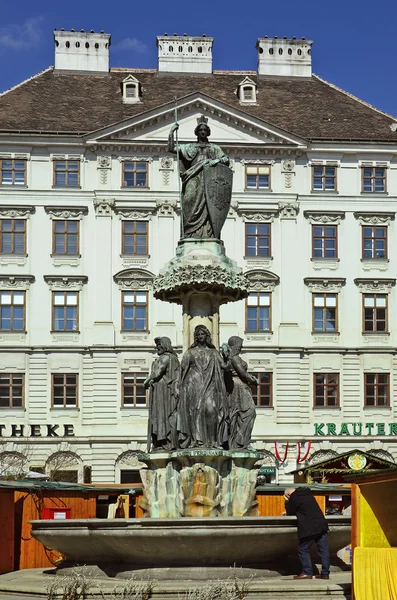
(326, 389)
(257, 177)
(376, 389)
(257, 239)
(65, 315)
(12, 236)
(134, 237)
(373, 179)
(324, 178)
(66, 173)
(248, 93)
(131, 90)
(65, 239)
(258, 311)
(12, 311)
(65, 389)
(374, 242)
(325, 313)
(134, 392)
(263, 392)
(324, 241)
(11, 390)
(135, 174)
(134, 311)
(375, 312)
(13, 172)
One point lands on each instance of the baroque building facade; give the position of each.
(89, 214)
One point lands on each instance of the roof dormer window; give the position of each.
(131, 90)
(247, 91)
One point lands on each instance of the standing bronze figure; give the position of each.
(202, 412)
(163, 398)
(206, 183)
(242, 406)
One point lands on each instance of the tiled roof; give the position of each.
(76, 103)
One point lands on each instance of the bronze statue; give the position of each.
(163, 399)
(203, 410)
(206, 183)
(242, 407)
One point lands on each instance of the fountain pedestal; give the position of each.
(201, 278)
(199, 483)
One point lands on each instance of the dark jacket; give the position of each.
(311, 520)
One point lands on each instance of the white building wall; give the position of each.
(101, 352)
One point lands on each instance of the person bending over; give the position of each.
(312, 527)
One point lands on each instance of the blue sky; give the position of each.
(354, 40)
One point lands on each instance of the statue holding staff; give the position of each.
(206, 183)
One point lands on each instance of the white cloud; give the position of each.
(131, 44)
(19, 37)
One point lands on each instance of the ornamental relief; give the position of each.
(375, 285)
(261, 281)
(333, 218)
(374, 218)
(72, 282)
(104, 162)
(257, 161)
(134, 279)
(16, 212)
(333, 284)
(148, 159)
(16, 282)
(66, 213)
(166, 162)
(263, 216)
(103, 208)
(288, 210)
(131, 213)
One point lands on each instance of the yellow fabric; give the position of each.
(371, 531)
(375, 573)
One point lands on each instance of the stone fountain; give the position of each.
(200, 476)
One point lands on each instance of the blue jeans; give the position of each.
(321, 540)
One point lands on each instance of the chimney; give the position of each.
(184, 54)
(284, 58)
(81, 51)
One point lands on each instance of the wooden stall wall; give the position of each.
(7, 531)
(29, 553)
(272, 505)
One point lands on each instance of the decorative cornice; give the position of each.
(374, 218)
(288, 210)
(369, 284)
(13, 211)
(15, 155)
(134, 279)
(66, 212)
(261, 281)
(324, 216)
(325, 284)
(125, 212)
(66, 157)
(16, 282)
(148, 159)
(66, 282)
(263, 215)
(103, 207)
(257, 161)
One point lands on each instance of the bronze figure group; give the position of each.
(205, 402)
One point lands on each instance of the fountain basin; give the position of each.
(185, 542)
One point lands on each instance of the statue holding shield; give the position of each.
(206, 183)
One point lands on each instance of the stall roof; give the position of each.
(66, 487)
(330, 465)
(327, 488)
